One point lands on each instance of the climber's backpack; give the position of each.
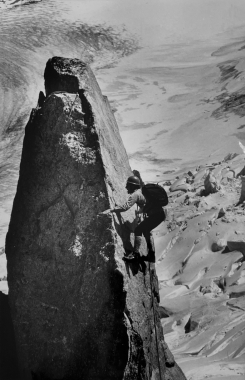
(155, 193)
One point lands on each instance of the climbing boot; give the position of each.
(151, 249)
(135, 255)
(131, 257)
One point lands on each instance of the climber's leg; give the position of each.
(151, 249)
(136, 251)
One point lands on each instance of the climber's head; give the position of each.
(133, 183)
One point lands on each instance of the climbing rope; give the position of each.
(154, 319)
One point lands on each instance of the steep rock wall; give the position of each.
(79, 312)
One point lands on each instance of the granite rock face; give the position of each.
(8, 357)
(79, 312)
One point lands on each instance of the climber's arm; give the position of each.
(126, 206)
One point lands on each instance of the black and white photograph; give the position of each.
(122, 189)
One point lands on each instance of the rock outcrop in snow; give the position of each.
(79, 312)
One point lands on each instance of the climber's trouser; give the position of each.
(137, 244)
(150, 244)
(136, 251)
(144, 228)
(151, 249)
(148, 224)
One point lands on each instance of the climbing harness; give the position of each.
(154, 320)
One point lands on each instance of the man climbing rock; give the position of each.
(150, 207)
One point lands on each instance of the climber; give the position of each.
(154, 216)
(133, 187)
